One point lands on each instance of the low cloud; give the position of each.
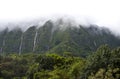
(113, 25)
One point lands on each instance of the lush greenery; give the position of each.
(102, 64)
(56, 37)
(59, 50)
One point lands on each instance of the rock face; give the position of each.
(56, 38)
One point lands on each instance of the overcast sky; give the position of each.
(101, 12)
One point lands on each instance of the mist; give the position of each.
(26, 13)
(61, 21)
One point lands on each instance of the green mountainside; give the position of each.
(59, 50)
(56, 38)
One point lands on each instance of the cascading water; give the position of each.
(3, 45)
(20, 48)
(95, 44)
(35, 39)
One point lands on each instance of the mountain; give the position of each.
(56, 37)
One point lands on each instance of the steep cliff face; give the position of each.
(28, 39)
(10, 40)
(56, 38)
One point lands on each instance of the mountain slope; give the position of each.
(57, 37)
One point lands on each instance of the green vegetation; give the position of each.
(59, 53)
(80, 41)
(102, 64)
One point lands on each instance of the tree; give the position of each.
(99, 59)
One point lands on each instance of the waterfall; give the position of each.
(3, 44)
(35, 39)
(95, 44)
(21, 42)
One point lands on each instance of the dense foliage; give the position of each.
(102, 64)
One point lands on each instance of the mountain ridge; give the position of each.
(56, 38)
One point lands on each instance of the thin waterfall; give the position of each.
(51, 37)
(21, 42)
(95, 44)
(3, 45)
(35, 39)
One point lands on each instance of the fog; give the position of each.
(25, 13)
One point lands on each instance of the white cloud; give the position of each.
(104, 12)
